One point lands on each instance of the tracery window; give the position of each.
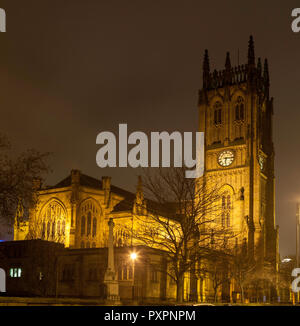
(94, 227)
(53, 216)
(58, 228)
(82, 225)
(89, 220)
(121, 238)
(89, 224)
(53, 230)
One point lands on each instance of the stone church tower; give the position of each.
(235, 112)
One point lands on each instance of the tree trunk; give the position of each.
(216, 295)
(179, 294)
(242, 293)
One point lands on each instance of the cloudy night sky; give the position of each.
(71, 69)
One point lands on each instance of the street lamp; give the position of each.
(133, 257)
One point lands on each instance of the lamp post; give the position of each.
(133, 257)
(297, 234)
(297, 239)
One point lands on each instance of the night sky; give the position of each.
(71, 69)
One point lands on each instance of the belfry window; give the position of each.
(218, 113)
(239, 109)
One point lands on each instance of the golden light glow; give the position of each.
(133, 256)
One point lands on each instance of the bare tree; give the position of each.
(182, 218)
(17, 175)
(219, 271)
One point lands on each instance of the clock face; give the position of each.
(226, 158)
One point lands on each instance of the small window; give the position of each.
(15, 272)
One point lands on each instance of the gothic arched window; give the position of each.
(82, 225)
(58, 228)
(226, 209)
(218, 113)
(44, 230)
(63, 228)
(48, 230)
(228, 220)
(89, 224)
(94, 227)
(53, 216)
(53, 230)
(91, 211)
(223, 219)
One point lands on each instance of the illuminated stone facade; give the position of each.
(235, 113)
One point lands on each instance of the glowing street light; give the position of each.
(133, 256)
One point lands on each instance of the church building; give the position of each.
(235, 114)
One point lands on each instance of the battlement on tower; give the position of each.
(250, 73)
